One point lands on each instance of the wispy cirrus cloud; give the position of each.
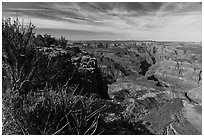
(156, 21)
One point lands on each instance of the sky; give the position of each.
(163, 21)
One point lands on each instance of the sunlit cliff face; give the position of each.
(111, 21)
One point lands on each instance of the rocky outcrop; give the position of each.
(195, 95)
(81, 70)
(71, 67)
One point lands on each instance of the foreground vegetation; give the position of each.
(46, 91)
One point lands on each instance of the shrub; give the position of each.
(62, 42)
(19, 56)
(52, 112)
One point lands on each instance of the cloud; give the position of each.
(138, 20)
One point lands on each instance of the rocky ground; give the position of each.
(159, 82)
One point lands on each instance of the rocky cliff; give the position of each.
(158, 83)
